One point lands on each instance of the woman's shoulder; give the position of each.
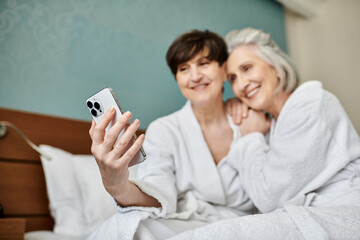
(307, 97)
(309, 92)
(312, 94)
(311, 100)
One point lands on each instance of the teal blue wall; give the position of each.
(55, 54)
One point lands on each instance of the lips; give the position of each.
(252, 92)
(200, 86)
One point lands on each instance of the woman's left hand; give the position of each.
(257, 121)
(236, 109)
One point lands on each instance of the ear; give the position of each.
(277, 74)
(225, 66)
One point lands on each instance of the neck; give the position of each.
(210, 113)
(279, 101)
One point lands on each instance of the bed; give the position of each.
(24, 194)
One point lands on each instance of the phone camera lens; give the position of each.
(89, 104)
(97, 105)
(94, 112)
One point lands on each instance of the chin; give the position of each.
(203, 101)
(256, 105)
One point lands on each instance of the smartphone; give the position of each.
(98, 104)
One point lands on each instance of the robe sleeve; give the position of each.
(156, 175)
(297, 154)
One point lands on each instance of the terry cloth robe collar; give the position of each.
(204, 160)
(288, 103)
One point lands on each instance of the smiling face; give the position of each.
(200, 80)
(254, 81)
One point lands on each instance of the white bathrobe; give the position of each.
(181, 174)
(310, 169)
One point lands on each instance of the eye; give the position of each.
(246, 68)
(182, 68)
(204, 63)
(231, 78)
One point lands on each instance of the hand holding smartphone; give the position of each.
(98, 104)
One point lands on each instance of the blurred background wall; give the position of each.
(55, 54)
(326, 46)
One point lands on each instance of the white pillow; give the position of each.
(97, 202)
(78, 200)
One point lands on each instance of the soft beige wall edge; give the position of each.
(327, 48)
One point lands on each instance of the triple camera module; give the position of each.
(95, 107)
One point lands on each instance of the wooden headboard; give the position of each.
(22, 181)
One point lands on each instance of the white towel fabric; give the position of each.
(293, 222)
(310, 169)
(154, 229)
(182, 175)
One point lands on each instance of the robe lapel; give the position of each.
(204, 168)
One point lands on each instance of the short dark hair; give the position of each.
(189, 44)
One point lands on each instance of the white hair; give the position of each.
(267, 51)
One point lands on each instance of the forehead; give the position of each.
(242, 54)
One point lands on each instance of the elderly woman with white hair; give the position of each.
(308, 170)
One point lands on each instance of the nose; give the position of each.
(241, 85)
(195, 74)
(244, 85)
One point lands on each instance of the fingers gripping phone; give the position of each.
(98, 104)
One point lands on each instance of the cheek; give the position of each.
(223, 77)
(236, 90)
(272, 77)
(256, 75)
(271, 84)
(180, 81)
